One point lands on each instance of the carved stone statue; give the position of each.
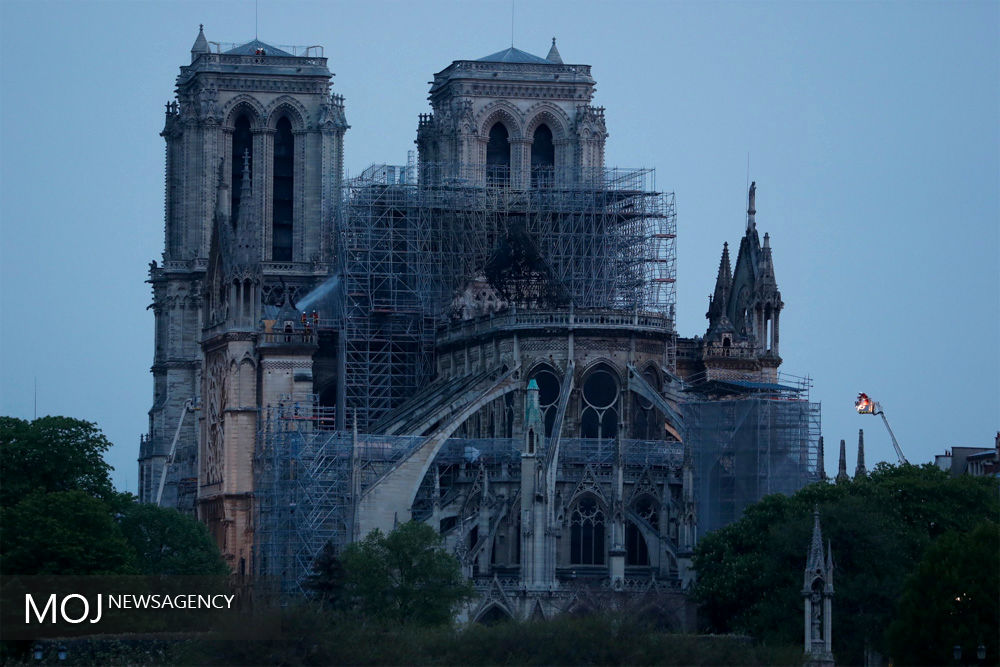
(817, 616)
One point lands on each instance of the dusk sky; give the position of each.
(873, 133)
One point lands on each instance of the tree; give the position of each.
(65, 532)
(52, 454)
(750, 572)
(951, 599)
(327, 579)
(168, 542)
(404, 576)
(61, 514)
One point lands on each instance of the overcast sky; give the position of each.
(872, 130)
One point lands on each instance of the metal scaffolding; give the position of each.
(408, 244)
(748, 446)
(302, 483)
(409, 240)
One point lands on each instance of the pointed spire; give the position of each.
(200, 44)
(822, 461)
(815, 560)
(767, 263)
(842, 468)
(246, 192)
(554, 54)
(246, 225)
(860, 470)
(723, 285)
(725, 276)
(752, 207)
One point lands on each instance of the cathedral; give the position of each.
(482, 339)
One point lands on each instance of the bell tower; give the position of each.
(513, 118)
(254, 138)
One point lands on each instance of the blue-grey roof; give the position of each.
(250, 49)
(512, 55)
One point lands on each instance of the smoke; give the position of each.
(322, 298)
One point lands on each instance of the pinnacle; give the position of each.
(860, 470)
(554, 54)
(842, 468)
(815, 560)
(200, 43)
(822, 461)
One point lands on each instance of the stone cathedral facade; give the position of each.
(233, 110)
(484, 341)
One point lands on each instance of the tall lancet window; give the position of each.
(283, 184)
(498, 155)
(587, 533)
(242, 142)
(543, 157)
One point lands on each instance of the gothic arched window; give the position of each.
(498, 154)
(242, 145)
(587, 533)
(599, 412)
(282, 192)
(543, 157)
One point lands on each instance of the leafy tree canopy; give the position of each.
(52, 454)
(168, 542)
(404, 576)
(951, 599)
(60, 514)
(65, 532)
(750, 572)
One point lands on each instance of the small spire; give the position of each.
(723, 284)
(752, 207)
(200, 43)
(767, 263)
(725, 270)
(246, 193)
(554, 54)
(822, 461)
(815, 560)
(860, 470)
(842, 468)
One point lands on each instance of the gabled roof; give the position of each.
(250, 49)
(512, 55)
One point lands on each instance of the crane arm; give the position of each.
(188, 407)
(899, 450)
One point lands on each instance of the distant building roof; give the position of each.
(251, 48)
(512, 55)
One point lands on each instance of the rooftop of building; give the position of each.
(513, 55)
(255, 47)
(213, 56)
(515, 63)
